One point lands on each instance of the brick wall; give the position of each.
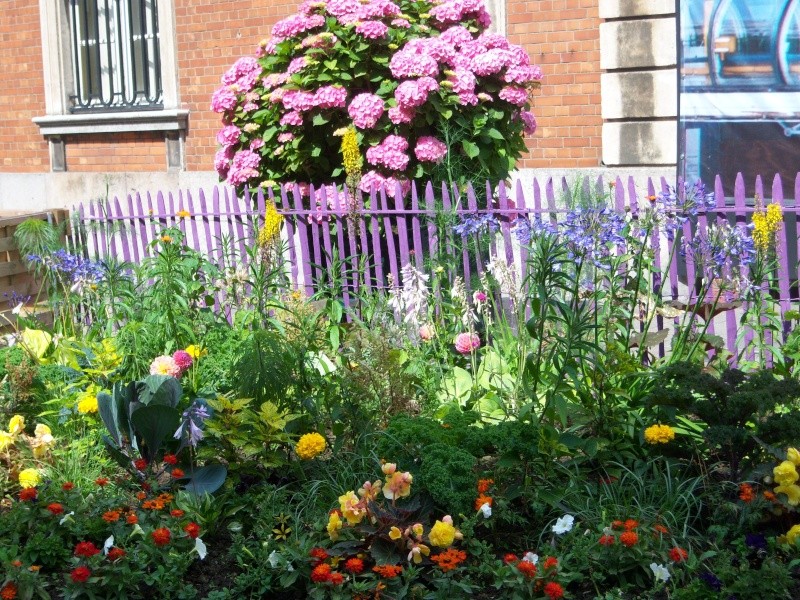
(562, 37)
(211, 35)
(22, 149)
(117, 152)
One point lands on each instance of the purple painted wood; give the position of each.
(402, 229)
(239, 217)
(390, 245)
(526, 205)
(783, 259)
(739, 195)
(216, 246)
(505, 211)
(415, 227)
(374, 227)
(731, 324)
(347, 219)
(206, 222)
(447, 235)
(302, 227)
(472, 204)
(135, 225)
(321, 217)
(124, 238)
(95, 249)
(550, 197)
(193, 219)
(364, 251)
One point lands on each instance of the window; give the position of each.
(116, 63)
(110, 66)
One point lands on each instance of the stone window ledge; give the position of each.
(115, 122)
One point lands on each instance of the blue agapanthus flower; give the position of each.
(476, 223)
(593, 233)
(526, 229)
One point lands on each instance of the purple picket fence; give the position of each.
(362, 243)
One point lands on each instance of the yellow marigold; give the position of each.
(29, 478)
(785, 473)
(442, 534)
(16, 425)
(272, 226)
(87, 403)
(183, 214)
(195, 351)
(310, 445)
(334, 526)
(659, 434)
(6, 440)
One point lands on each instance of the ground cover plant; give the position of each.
(193, 427)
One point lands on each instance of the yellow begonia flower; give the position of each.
(794, 456)
(792, 534)
(792, 492)
(398, 485)
(42, 441)
(352, 508)
(395, 533)
(417, 552)
(6, 440)
(29, 478)
(417, 530)
(442, 534)
(16, 425)
(785, 473)
(334, 526)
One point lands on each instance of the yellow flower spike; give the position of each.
(29, 478)
(794, 456)
(351, 155)
(16, 425)
(785, 473)
(272, 226)
(395, 534)
(792, 493)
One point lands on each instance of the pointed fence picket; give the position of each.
(358, 242)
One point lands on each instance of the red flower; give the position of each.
(9, 591)
(80, 574)
(27, 495)
(527, 568)
(318, 553)
(141, 496)
(388, 571)
(337, 578)
(606, 540)
(170, 459)
(321, 573)
(101, 481)
(484, 485)
(746, 493)
(177, 513)
(510, 558)
(630, 524)
(628, 538)
(177, 473)
(146, 486)
(354, 565)
(192, 530)
(132, 519)
(111, 516)
(661, 529)
(617, 524)
(550, 563)
(68, 486)
(16, 563)
(161, 536)
(678, 554)
(553, 590)
(115, 554)
(55, 508)
(140, 464)
(86, 549)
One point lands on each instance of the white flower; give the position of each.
(109, 543)
(660, 572)
(16, 310)
(66, 517)
(486, 509)
(531, 558)
(564, 524)
(273, 559)
(200, 548)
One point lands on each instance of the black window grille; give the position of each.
(115, 55)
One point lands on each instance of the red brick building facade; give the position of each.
(67, 161)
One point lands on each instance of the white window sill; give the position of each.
(114, 122)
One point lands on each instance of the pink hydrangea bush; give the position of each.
(425, 84)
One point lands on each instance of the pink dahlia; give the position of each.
(183, 359)
(467, 342)
(165, 365)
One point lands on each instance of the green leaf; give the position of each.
(470, 149)
(109, 413)
(36, 342)
(154, 423)
(320, 120)
(494, 134)
(159, 389)
(207, 479)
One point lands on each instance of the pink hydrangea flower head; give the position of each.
(183, 359)
(296, 24)
(365, 110)
(330, 96)
(400, 23)
(473, 49)
(529, 122)
(276, 95)
(467, 342)
(228, 135)
(518, 56)
(494, 40)
(514, 95)
(464, 82)
(429, 149)
(342, 7)
(399, 114)
(165, 365)
(285, 137)
(372, 180)
(490, 62)
(223, 100)
(256, 144)
(377, 9)
(244, 73)
(244, 166)
(467, 99)
(298, 100)
(274, 80)
(409, 95)
(292, 118)
(297, 65)
(222, 161)
(372, 30)
(405, 64)
(457, 35)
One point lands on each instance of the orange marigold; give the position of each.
(354, 565)
(481, 500)
(617, 524)
(9, 591)
(550, 563)
(770, 496)
(318, 553)
(115, 554)
(528, 569)
(132, 519)
(161, 536)
(388, 571)
(661, 529)
(55, 508)
(337, 578)
(321, 573)
(449, 559)
(628, 538)
(630, 524)
(606, 540)
(141, 496)
(510, 558)
(111, 516)
(678, 554)
(101, 481)
(177, 473)
(27, 494)
(484, 485)
(192, 530)
(177, 513)
(553, 590)
(746, 493)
